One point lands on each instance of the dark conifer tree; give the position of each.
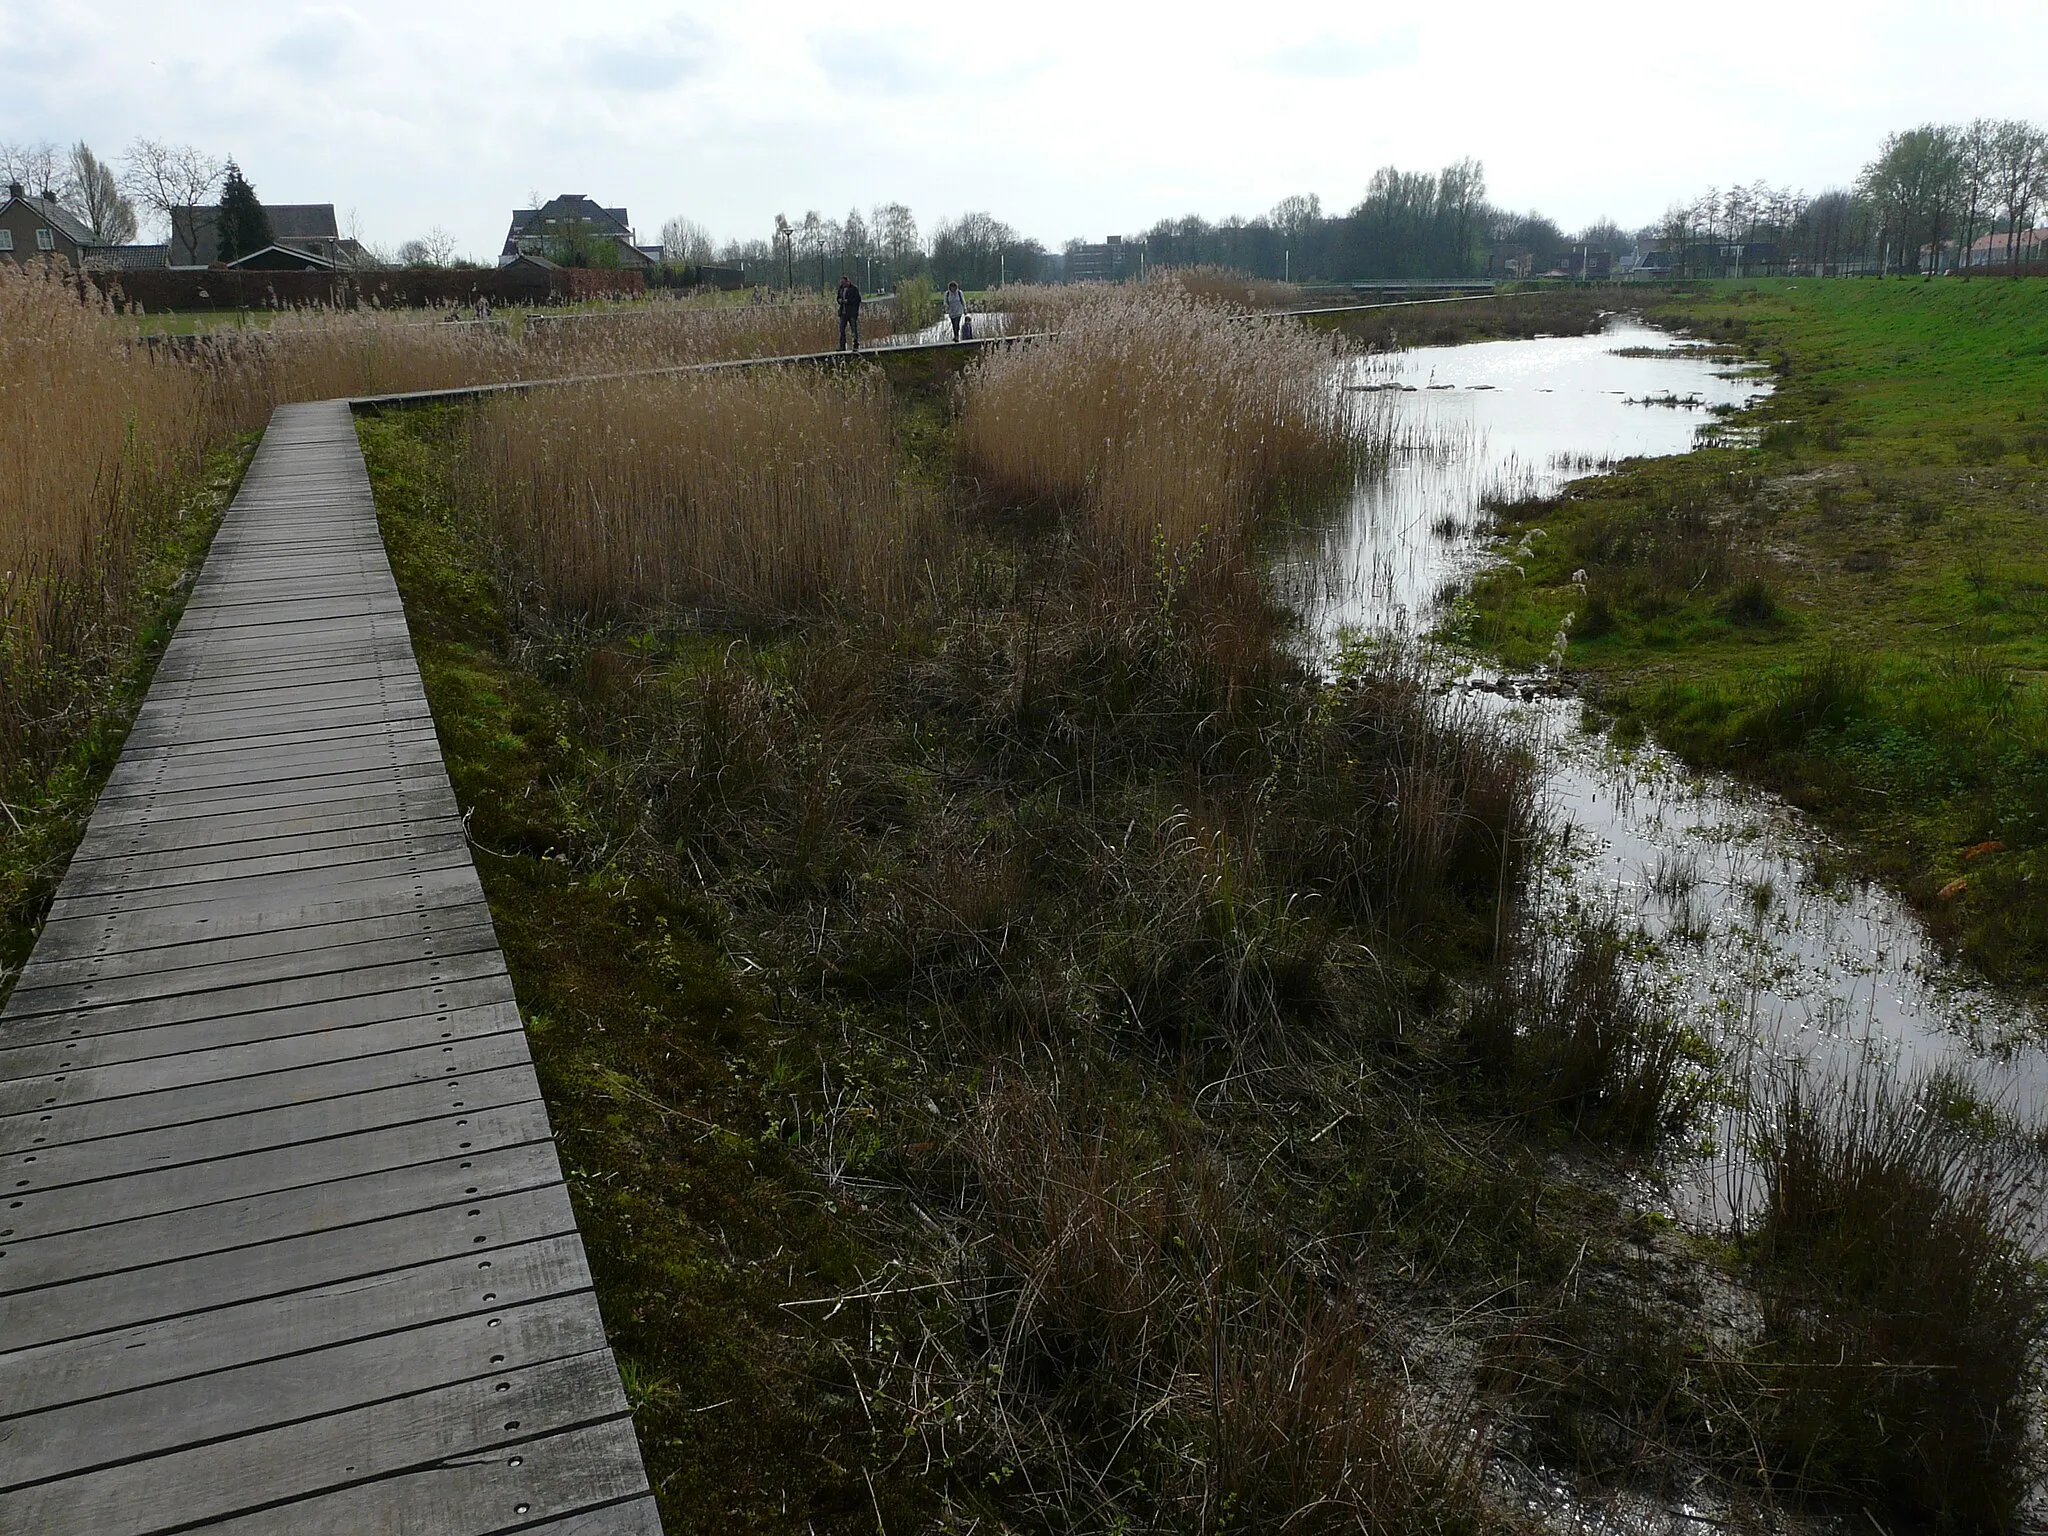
(241, 226)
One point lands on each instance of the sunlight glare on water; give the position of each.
(1770, 956)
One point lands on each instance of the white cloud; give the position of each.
(319, 45)
(1082, 117)
(656, 60)
(1331, 56)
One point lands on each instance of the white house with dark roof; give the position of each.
(534, 231)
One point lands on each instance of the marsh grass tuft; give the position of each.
(1574, 1038)
(1904, 1314)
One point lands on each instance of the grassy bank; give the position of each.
(1851, 610)
(1030, 1054)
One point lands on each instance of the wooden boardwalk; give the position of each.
(284, 1243)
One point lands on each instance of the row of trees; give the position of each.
(877, 248)
(1409, 224)
(154, 176)
(1925, 203)
(1936, 188)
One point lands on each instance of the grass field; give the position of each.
(1852, 610)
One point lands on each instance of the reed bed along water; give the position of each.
(746, 494)
(1163, 425)
(1033, 308)
(1074, 886)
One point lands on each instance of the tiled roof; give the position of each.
(194, 242)
(127, 258)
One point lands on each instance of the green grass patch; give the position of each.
(1850, 611)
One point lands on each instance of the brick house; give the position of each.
(41, 229)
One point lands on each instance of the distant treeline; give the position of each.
(1937, 198)
(1408, 225)
(877, 249)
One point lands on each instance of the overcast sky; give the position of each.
(1065, 119)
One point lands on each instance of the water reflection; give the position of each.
(1773, 958)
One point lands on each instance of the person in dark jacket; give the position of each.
(849, 313)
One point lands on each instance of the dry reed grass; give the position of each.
(100, 432)
(1153, 1337)
(754, 494)
(1229, 287)
(323, 354)
(95, 440)
(1166, 427)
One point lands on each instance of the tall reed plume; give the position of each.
(757, 493)
(1163, 422)
(94, 440)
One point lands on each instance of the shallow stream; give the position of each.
(1772, 957)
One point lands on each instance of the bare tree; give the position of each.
(161, 177)
(896, 237)
(1295, 216)
(2019, 178)
(436, 248)
(38, 167)
(685, 240)
(1976, 163)
(92, 194)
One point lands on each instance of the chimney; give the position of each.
(14, 189)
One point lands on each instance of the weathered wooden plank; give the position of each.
(53, 1208)
(205, 1085)
(276, 1183)
(165, 872)
(86, 1306)
(236, 892)
(255, 991)
(259, 1221)
(557, 1477)
(149, 1421)
(359, 1307)
(81, 1160)
(115, 976)
(442, 1429)
(144, 1038)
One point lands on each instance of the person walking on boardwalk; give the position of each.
(849, 312)
(956, 307)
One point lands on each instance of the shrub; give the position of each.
(1753, 605)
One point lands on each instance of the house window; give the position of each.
(6, 239)
(45, 240)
